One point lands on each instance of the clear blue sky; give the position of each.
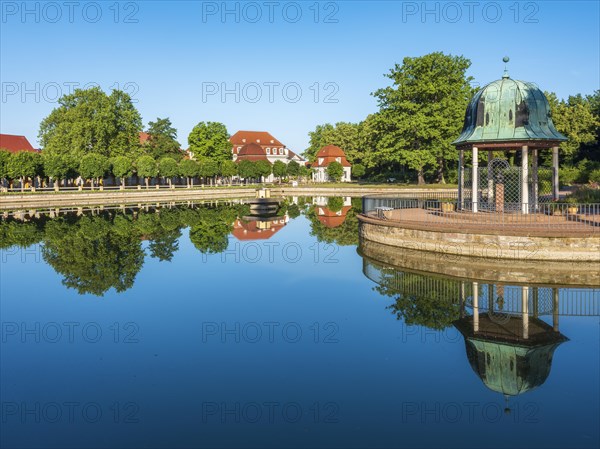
(165, 52)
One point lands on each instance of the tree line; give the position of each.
(422, 112)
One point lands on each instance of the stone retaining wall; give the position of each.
(479, 244)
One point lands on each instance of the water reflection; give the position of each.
(98, 248)
(510, 329)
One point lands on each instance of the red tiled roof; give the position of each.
(14, 144)
(329, 154)
(252, 152)
(331, 219)
(260, 137)
(144, 137)
(250, 231)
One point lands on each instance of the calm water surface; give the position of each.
(207, 327)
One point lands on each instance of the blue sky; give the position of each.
(175, 58)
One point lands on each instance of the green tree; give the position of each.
(263, 168)
(190, 170)
(162, 140)
(4, 158)
(228, 169)
(279, 169)
(122, 168)
(23, 165)
(358, 170)
(56, 167)
(293, 169)
(147, 168)
(89, 121)
(247, 170)
(575, 118)
(345, 135)
(93, 167)
(210, 140)
(335, 171)
(91, 255)
(168, 168)
(423, 112)
(209, 168)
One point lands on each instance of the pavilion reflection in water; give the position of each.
(508, 343)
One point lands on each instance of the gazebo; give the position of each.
(507, 115)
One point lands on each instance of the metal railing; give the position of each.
(446, 211)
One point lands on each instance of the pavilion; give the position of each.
(507, 115)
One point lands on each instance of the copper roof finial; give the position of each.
(505, 59)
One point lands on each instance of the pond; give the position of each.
(208, 325)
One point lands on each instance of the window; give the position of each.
(338, 159)
(268, 151)
(281, 151)
(320, 161)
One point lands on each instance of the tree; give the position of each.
(208, 168)
(247, 170)
(423, 112)
(190, 170)
(228, 169)
(343, 134)
(147, 168)
(293, 168)
(162, 140)
(210, 140)
(56, 167)
(263, 168)
(93, 166)
(89, 121)
(168, 168)
(335, 171)
(4, 158)
(358, 170)
(574, 118)
(122, 167)
(279, 169)
(23, 165)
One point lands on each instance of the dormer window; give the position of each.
(272, 141)
(244, 140)
(257, 140)
(338, 159)
(320, 161)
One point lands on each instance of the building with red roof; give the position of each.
(329, 218)
(274, 150)
(15, 144)
(258, 229)
(251, 152)
(324, 157)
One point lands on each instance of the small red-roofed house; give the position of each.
(326, 156)
(15, 144)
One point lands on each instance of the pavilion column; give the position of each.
(525, 311)
(555, 309)
(524, 179)
(490, 183)
(475, 307)
(461, 178)
(534, 176)
(555, 194)
(475, 179)
(462, 299)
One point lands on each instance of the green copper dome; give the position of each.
(508, 111)
(510, 369)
